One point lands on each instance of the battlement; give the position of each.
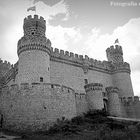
(114, 50)
(93, 86)
(11, 73)
(80, 60)
(35, 45)
(115, 53)
(129, 100)
(88, 63)
(15, 88)
(34, 26)
(112, 89)
(31, 18)
(4, 67)
(121, 67)
(80, 95)
(5, 64)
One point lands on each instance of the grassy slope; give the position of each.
(93, 125)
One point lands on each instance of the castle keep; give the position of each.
(46, 83)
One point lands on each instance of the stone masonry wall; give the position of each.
(37, 106)
(33, 65)
(81, 103)
(130, 107)
(123, 82)
(73, 76)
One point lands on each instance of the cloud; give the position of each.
(50, 12)
(72, 38)
(48, 2)
(60, 36)
(128, 35)
(136, 82)
(12, 15)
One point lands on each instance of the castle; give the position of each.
(46, 84)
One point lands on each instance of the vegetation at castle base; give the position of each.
(93, 125)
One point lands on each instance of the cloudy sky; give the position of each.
(80, 26)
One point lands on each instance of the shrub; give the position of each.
(78, 120)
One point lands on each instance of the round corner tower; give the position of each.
(120, 70)
(94, 96)
(113, 104)
(33, 50)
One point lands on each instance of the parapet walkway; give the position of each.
(124, 119)
(7, 137)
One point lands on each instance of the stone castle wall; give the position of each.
(33, 65)
(74, 76)
(122, 80)
(113, 104)
(35, 106)
(130, 107)
(4, 67)
(81, 103)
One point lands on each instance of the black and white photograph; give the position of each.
(69, 69)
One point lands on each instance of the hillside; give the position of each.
(94, 125)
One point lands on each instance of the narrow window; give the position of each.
(86, 81)
(41, 79)
(51, 86)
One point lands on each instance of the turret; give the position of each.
(94, 96)
(115, 53)
(113, 104)
(120, 70)
(34, 52)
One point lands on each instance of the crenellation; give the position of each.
(14, 89)
(61, 53)
(51, 49)
(49, 43)
(24, 86)
(81, 57)
(5, 64)
(71, 54)
(121, 67)
(129, 100)
(80, 95)
(136, 99)
(29, 17)
(41, 86)
(67, 54)
(56, 51)
(5, 89)
(76, 56)
(86, 57)
(93, 86)
(35, 17)
(112, 89)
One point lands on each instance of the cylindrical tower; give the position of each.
(120, 70)
(34, 52)
(94, 96)
(115, 53)
(113, 104)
